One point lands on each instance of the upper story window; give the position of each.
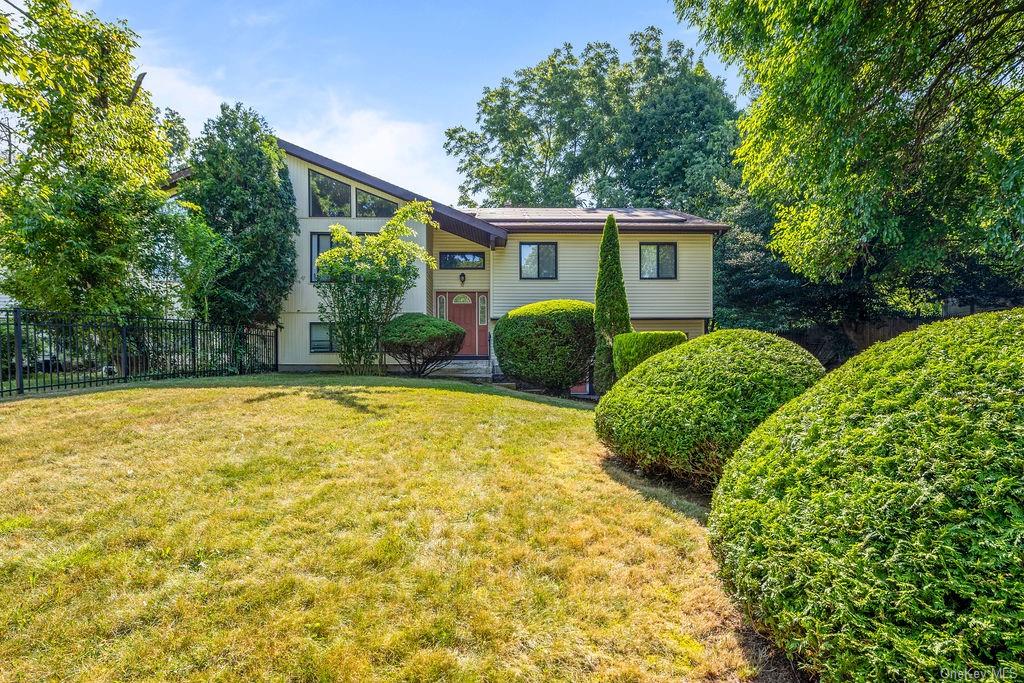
(319, 242)
(657, 260)
(329, 198)
(538, 260)
(461, 260)
(371, 206)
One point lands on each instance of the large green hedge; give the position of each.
(688, 408)
(548, 344)
(421, 343)
(633, 348)
(875, 526)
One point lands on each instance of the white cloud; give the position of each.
(174, 85)
(404, 152)
(178, 89)
(256, 19)
(394, 147)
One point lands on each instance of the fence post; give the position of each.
(194, 341)
(124, 352)
(19, 371)
(277, 357)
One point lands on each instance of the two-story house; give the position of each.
(495, 259)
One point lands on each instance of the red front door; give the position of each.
(469, 311)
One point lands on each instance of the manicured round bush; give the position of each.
(548, 344)
(686, 409)
(874, 526)
(421, 343)
(633, 348)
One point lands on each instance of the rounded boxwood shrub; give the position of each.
(632, 348)
(421, 343)
(686, 409)
(548, 343)
(874, 526)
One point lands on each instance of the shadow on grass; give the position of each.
(342, 389)
(671, 493)
(771, 664)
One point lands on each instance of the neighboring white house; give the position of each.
(493, 260)
(6, 301)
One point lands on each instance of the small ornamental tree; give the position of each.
(362, 283)
(611, 308)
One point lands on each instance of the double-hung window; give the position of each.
(657, 260)
(538, 260)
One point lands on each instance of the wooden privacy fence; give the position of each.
(47, 350)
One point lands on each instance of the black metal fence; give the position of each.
(45, 350)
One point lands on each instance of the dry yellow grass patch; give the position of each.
(314, 528)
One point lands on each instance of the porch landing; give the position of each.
(471, 368)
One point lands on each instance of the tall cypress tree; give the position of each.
(611, 312)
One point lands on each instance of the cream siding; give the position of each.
(687, 296)
(301, 305)
(448, 280)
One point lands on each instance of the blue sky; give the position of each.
(372, 84)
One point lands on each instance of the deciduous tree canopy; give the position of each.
(886, 133)
(83, 219)
(590, 129)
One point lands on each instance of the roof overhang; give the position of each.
(663, 227)
(588, 220)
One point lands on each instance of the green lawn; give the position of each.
(314, 528)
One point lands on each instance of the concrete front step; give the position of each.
(469, 369)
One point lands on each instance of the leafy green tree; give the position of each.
(887, 134)
(590, 129)
(611, 307)
(83, 219)
(204, 256)
(754, 288)
(240, 181)
(363, 281)
(175, 131)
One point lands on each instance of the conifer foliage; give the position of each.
(611, 312)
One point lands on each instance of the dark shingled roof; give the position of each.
(592, 220)
(451, 220)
